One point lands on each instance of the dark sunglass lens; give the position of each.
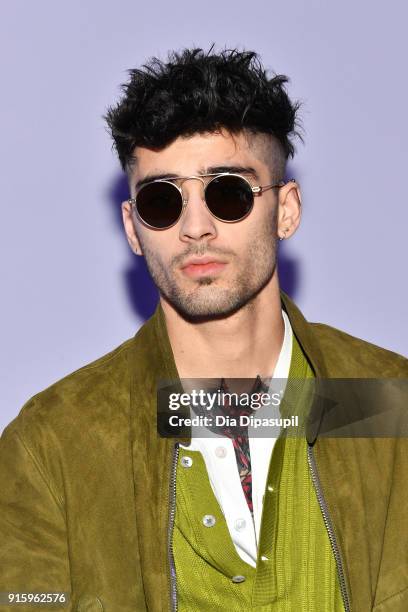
(229, 198)
(159, 204)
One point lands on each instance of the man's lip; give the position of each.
(198, 267)
(200, 261)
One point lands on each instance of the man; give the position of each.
(96, 504)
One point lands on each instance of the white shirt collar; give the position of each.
(283, 364)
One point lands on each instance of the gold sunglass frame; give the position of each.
(256, 190)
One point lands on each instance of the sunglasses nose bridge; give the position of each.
(189, 178)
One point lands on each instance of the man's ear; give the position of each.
(289, 209)
(129, 224)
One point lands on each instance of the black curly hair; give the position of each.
(196, 92)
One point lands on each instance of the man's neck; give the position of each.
(242, 345)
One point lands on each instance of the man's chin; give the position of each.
(206, 307)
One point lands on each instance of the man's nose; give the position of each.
(196, 221)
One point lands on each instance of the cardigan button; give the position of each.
(209, 520)
(186, 461)
(221, 452)
(238, 579)
(240, 524)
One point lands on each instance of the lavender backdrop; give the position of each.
(71, 289)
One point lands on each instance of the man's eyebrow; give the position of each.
(232, 169)
(210, 170)
(154, 177)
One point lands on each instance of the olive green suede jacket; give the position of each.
(84, 481)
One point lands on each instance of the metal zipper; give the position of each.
(172, 512)
(329, 526)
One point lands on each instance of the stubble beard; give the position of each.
(207, 299)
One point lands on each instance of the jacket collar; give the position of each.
(155, 359)
(304, 334)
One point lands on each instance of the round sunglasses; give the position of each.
(229, 197)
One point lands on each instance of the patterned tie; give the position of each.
(239, 437)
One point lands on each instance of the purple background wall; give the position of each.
(71, 289)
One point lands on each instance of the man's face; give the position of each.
(204, 267)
